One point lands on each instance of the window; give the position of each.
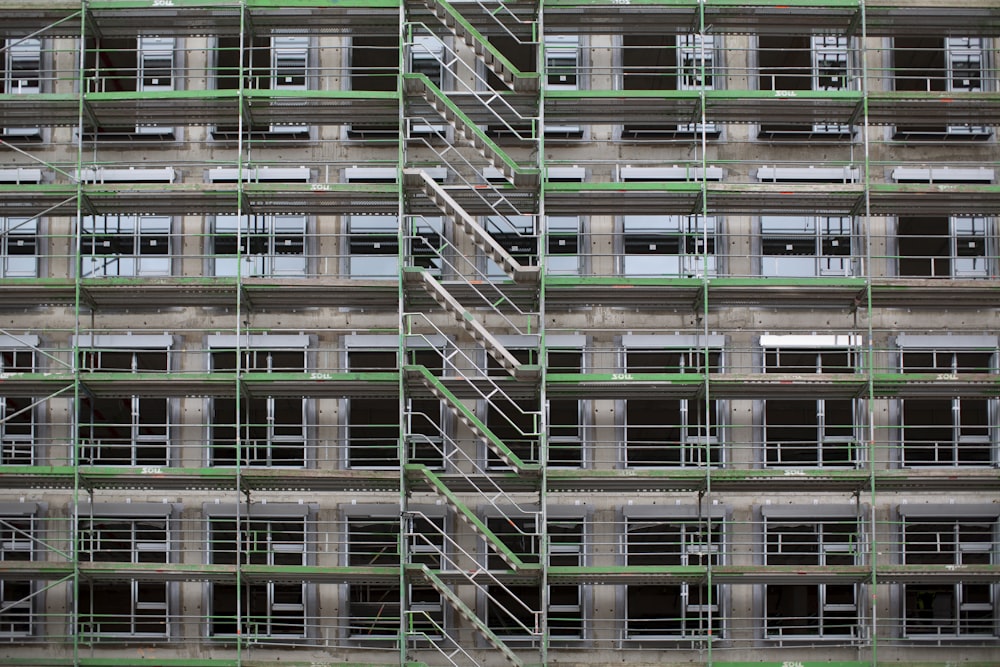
(672, 246)
(126, 245)
(817, 62)
(375, 67)
(373, 423)
(945, 247)
(668, 62)
(142, 64)
(567, 416)
(124, 430)
(269, 62)
(17, 413)
(517, 235)
(275, 536)
(18, 535)
(373, 239)
(110, 610)
(18, 248)
(817, 432)
(563, 256)
(373, 540)
(260, 246)
(511, 609)
(672, 611)
(21, 75)
(948, 538)
(672, 432)
(515, 420)
(265, 430)
(931, 64)
(806, 246)
(827, 611)
(563, 71)
(958, 431)
(426, 56)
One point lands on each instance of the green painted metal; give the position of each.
(472, 127)
(478, 37)
(470, 516)
(459, 605)
(467, 413)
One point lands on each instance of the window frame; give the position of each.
(693, 433)
(140, 232)
(257, 355)
(823, 520)
(824, 231)
(138, 549)
(246, 524)
(144, 353)
(22, 234)
(953, 517)
(688, 522)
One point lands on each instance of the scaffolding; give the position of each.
(351, 334)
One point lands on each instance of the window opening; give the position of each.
(260, 246)
(946, 64)
(16, 602)
(817, 62)
(18, 248)
(940, 247)
(289, 62)
(948, 431)
(21, 75)
(668, 62)
(374, 67)
(675, 611)
(508, 606)
(271, 430)
(426, 55)
(806, 246)
(949, 610)
(130, 608)
(563, 257)
(668, 246)
(126, 245)
(373, 428)
(269, 62)
(795, 611)
(156, 74)
(124, 430)
(271, 609)
(373, 610)
(671, 432)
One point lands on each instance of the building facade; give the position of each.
(474, 333)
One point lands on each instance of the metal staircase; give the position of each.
(489, 286)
